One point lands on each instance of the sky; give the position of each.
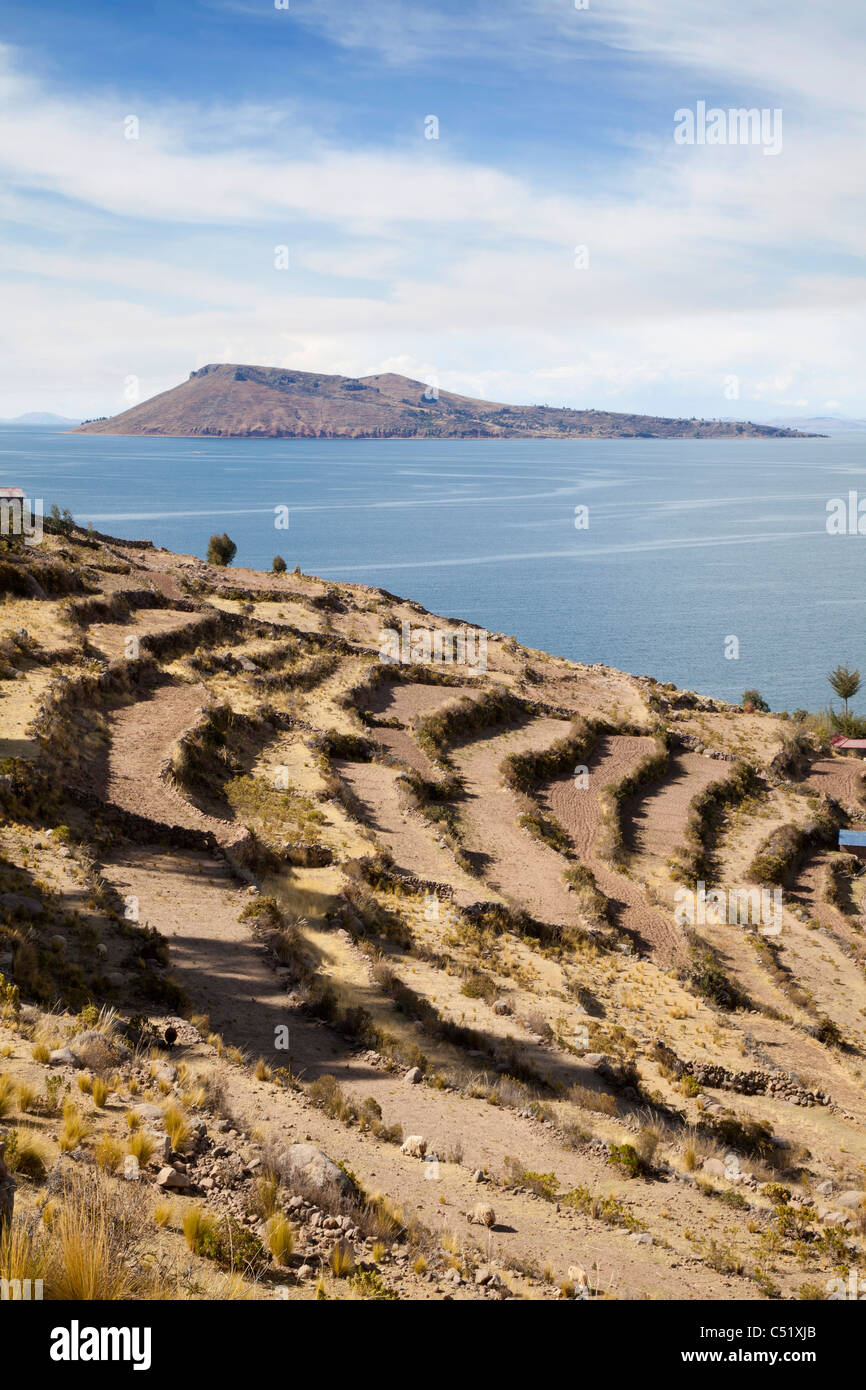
(487, 195)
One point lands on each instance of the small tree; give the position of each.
(279, 565)
(845, 683)
(754, 700)
(221, 550)
(61, 521)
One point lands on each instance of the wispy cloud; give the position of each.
(153, 256)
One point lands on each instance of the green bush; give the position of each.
(221, 550)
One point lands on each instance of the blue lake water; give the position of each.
(689, 542)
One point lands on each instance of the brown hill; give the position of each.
(226, 400)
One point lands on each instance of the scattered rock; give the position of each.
(171, 1178)
(63, 1057)
(413, 1076)
(715, 1167)
(313, 1164)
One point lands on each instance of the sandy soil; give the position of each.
(657, 816)
(577, 810)
(141, 738)
(405, 833)
(521, 868)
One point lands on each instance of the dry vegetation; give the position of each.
(439, 1030)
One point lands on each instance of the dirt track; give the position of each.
(523, 869)
(411, 841)
(577, 811)
(141, 738)
(841, 778)
(658, 815)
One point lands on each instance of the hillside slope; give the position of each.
(418, 921)
(264, 402)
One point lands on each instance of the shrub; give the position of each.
(141, 1146)
(784, 848)
(198, 1225)
(626, 1157)
(341, 1260)
(26, 1095)
(279, 565)
(7, 1091)
(176, 1126)
(753, 700)
(108, 1153)
(25, 1154)
(100, 1091)
(221, 550)
(75, 1128)
(281, 1238)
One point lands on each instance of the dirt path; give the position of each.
(656, 818)
(576, 809)
(405, 833)
(515, 864)
(141, 738)
(193, 900)
(400, 744)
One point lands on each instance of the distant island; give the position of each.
(234, 401)
(40, 417)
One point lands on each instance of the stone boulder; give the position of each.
(312, 1165)
(169, 1177)
(21, 905)
(63, 1057)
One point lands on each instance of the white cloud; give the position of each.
(154, 256)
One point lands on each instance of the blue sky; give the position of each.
(720, 281)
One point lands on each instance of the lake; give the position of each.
(687, 543)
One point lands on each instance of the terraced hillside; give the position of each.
(444, 1028)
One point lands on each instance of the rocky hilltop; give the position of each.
(232, 401)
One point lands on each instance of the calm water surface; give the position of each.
(689, 542)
